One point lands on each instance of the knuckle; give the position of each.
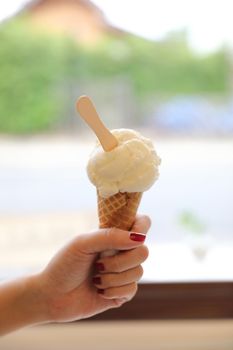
(148, 219)
(119, 302)
(140, 271)
(133, 290)
(144, 253)
(111, 234)
(78, 241)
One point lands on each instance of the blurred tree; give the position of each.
(191, 223)
(33, 67)
(29, 71)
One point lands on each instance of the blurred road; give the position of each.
(47, 176)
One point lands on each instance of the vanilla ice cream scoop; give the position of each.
(132, 166)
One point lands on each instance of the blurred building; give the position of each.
(79, 19)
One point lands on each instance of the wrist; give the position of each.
(22, 303)
(34, 301)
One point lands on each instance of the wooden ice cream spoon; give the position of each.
(88, 112)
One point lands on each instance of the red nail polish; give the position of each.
(99, 266)
(96, 280)
(100, 291)
(138, 237)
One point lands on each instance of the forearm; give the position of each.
(21, 304)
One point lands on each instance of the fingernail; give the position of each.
(100, 291)
(96, 280)
(99, 266)
(138, 237)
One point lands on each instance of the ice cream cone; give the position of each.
(122, 159)
(118, 210)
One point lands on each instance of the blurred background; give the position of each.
(164, 68)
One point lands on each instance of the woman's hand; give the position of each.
(78, 284)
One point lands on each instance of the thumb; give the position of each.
(108, 239)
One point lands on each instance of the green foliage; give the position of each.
(33, 68)
(191, 223)
(170, 67)
(30, 69)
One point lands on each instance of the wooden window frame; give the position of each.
(156, 301)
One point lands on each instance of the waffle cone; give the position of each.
(118, 210)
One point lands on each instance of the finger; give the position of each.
(142, 224)
(126, 292)
(123, 261)
(108, 239)
(118, 279)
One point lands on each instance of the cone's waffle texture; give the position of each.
(118, 210)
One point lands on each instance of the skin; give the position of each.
(64, 291)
